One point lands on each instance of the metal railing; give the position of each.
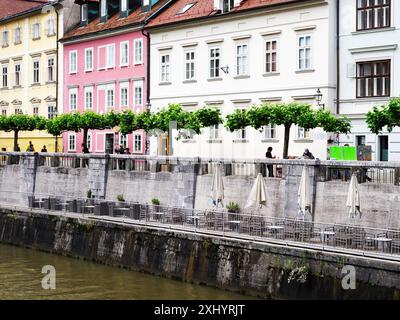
(341, 237)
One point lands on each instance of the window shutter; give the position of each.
(102, 58)
(351, 70)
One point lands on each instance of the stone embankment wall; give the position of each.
(187, 186)
(252, 268)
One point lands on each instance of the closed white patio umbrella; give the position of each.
(304, 193)
(353, 197)
(217, 187)
(257, 196)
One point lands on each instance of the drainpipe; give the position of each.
(57, 74)
(147, 36)
(337, 57)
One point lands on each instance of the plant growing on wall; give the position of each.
(233, 207)
(287, 115)
(155, 201)
(89, 194)
(120, 198)
(384, 116)
(21, 122)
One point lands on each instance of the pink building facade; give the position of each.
(107, 72)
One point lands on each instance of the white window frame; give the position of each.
(134, 142)
(4, 76)
(17, 40)
(270, 132)
(53, 73)
(215, 132)
(84, 12)
(302, 134)
(121, 50)
(38, 71)
(214, 59)
(125, 86)
(53, 111)
(91, 60)
(88, 90)
(51, 31)
(244, 71)
(71, 135)
(103, 8)
(110, 64)
(138, 58)
(124, 5)
(165, 68)
(107, 100)
(123, 140)
(72, 91)
(138, 85)
(271, 51)
(305, 47)
(191, 63)
(5, 38)
(71, 53)
(34, 35)
(17, 84)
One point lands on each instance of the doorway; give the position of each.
(383, 148)
(163, 147)
(109, 147)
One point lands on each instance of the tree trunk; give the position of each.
(56, 144)
(286, 141)
(85, 135)
(16, 140)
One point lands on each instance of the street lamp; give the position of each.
(318, 98)
(225, 69)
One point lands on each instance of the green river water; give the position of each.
(20, 278)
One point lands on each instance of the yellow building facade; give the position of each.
(30, 67)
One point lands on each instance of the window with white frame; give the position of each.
(215, 132)
(73, 61)
(138, 89)
(303, 133)
(138, 51)
(4, 76)
(242, 60)
(271, 55)
(110, 56)
(304, 52)
(88, 97)
(189, 65)
(17, 75)
(50, 70)
(124, 94)
(270, 131)
(50, 27)
(36, 71)
(103, 8)
(71, 141)
(215, 56)
(89, 59)
(241, 134)
(51, 111)
(227, 5)
(35, 111)
(137, 145)
(110, 97)
(17, 35)
(36, 30)
(124, 53)
(89, 141)
(165, 68)
(124, 5)
(5, 38)
(123, 140)
(84, 12)
(73, 99)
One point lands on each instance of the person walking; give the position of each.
(270, 167)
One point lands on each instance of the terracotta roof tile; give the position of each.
(114, 22)
(9, 8)
(204, 8)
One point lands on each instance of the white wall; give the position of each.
(230, 92)
(367, 46)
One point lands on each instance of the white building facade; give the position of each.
(369, 58)
(280, 53)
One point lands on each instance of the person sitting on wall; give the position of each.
(44, 149)
(308, 155)
(30, 147)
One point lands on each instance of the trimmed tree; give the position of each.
(21, 122)
(287, 115)
(384, 116)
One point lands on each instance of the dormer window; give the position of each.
(84, 13)
(227, 5)
(103, 10)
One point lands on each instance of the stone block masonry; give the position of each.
(248, 267)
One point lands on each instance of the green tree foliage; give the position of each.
(287, 115)
(384, 116)
(21, 122)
